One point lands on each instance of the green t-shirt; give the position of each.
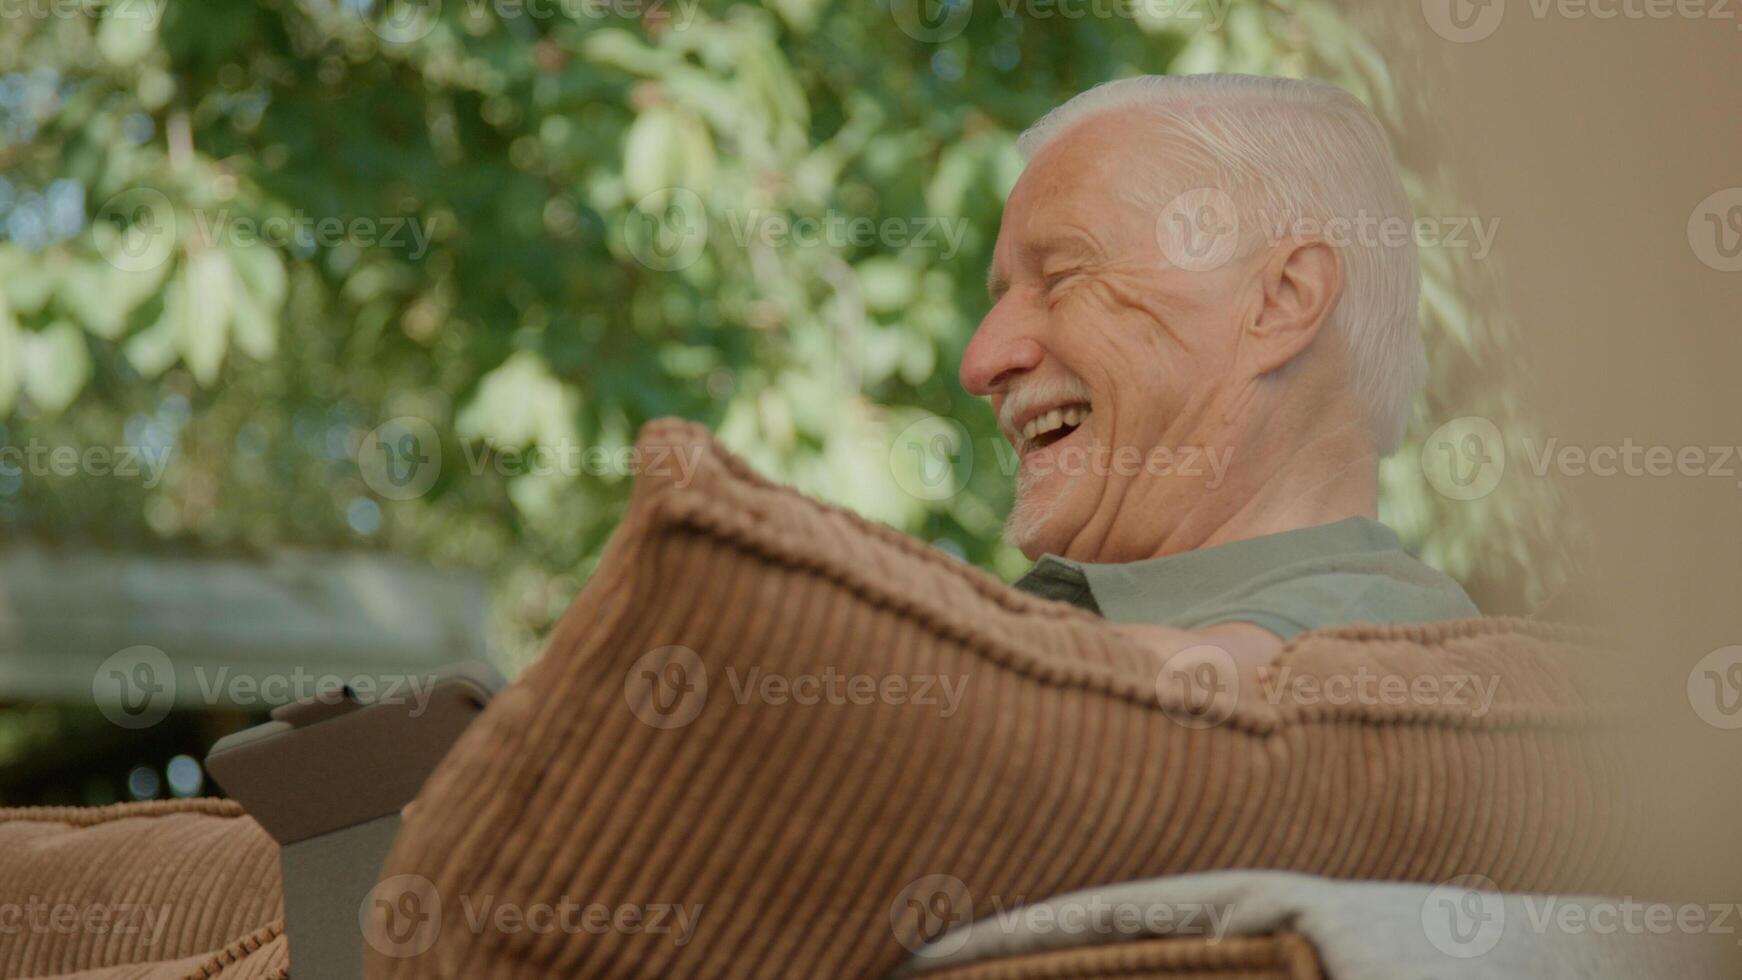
(1352, 571)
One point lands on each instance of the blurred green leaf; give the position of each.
(10, 357)
(128, 33)
(56, 365)
(28, 282)
(203, 330)
(520, 404)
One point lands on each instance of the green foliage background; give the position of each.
(524, 144)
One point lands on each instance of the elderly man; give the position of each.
(1196, 267)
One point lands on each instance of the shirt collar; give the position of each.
(1153, 589)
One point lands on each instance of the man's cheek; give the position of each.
(1072, 461)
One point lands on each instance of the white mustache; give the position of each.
(1052, 391)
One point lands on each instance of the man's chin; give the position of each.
(1033, 525)
(1022, 540)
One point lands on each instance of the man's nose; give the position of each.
(998, 352)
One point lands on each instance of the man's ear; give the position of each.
(1302, 280)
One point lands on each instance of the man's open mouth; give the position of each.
(1051, 426)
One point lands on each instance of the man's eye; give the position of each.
(1058, 279)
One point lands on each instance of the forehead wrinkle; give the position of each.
(1139, 165)
(1067, 178)
(1062, 239)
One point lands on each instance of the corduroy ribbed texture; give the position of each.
(801, 829)
(260, 955)
(163, 890)
(1281, 956)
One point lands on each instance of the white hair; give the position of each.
(1291, 150)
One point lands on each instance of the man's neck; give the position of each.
(1329, 479)
(1280, 482)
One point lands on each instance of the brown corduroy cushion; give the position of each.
(1279, 956)
(203, 869)
(813, 835)
(261, 955)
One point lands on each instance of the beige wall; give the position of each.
(1592, 141)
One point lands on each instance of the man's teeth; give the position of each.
(1071, 415)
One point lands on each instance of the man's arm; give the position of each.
(1245, 642)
